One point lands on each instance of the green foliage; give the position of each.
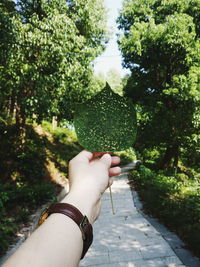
(172, 199)
(60, 134)
(126, 156)
(160, 44)
(47, 49)
(64, 146)
(16, 161)
(106, 122)
(112, 77)
(16, 204)
(25, 195)
(151, 157)
(24, 175)
(7, 230)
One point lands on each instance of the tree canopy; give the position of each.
(160, 44)
(47, 49)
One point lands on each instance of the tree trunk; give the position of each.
(20, 121)
(170, 159)
(54, 122)
(19, 116)
(11, 110)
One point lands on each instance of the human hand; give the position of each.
(90, 173)
(89, 177)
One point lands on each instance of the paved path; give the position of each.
(127, 238)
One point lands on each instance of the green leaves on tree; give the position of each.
(159, 41)
(47, 50)
(106, 122)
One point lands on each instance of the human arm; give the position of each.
(58, 241)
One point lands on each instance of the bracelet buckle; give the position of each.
(43, 216)
(84, 223)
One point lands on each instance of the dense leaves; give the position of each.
(31, 175)
(47, 49)
(46, 54)
(106, 122)
(160, 44)
(172, 199)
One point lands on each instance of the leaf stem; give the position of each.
(111, 199)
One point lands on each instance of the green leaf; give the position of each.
(106, 122)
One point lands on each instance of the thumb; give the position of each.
(106, 159)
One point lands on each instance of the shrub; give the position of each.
(17, 202)
(127, 156)
(63, 135)
(174, 200)
(23, 186)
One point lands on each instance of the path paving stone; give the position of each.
(127, 238)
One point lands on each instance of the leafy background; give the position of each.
(47, 50)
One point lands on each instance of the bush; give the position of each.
(126, 156)
(24, 173)
(174, 200)
(63, 135)
(7, 231)
(16, 160)
(16, 204)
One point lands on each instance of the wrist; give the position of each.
(87, 203)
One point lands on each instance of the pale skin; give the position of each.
(58, 241)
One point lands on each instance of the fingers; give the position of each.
(84, 155)
(87, 156)
(115, 160)
(106, 159)
(99, 154)
(114, 171)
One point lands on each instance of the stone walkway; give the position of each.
(127, 238)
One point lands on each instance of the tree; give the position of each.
(48, 64)
(6, 37)
(160, 44)
(114, 79)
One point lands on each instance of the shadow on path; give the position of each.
(129, 238)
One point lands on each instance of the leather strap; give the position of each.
(82, 221)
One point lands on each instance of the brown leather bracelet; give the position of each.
(72, 212)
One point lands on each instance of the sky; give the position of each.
(111, 58)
